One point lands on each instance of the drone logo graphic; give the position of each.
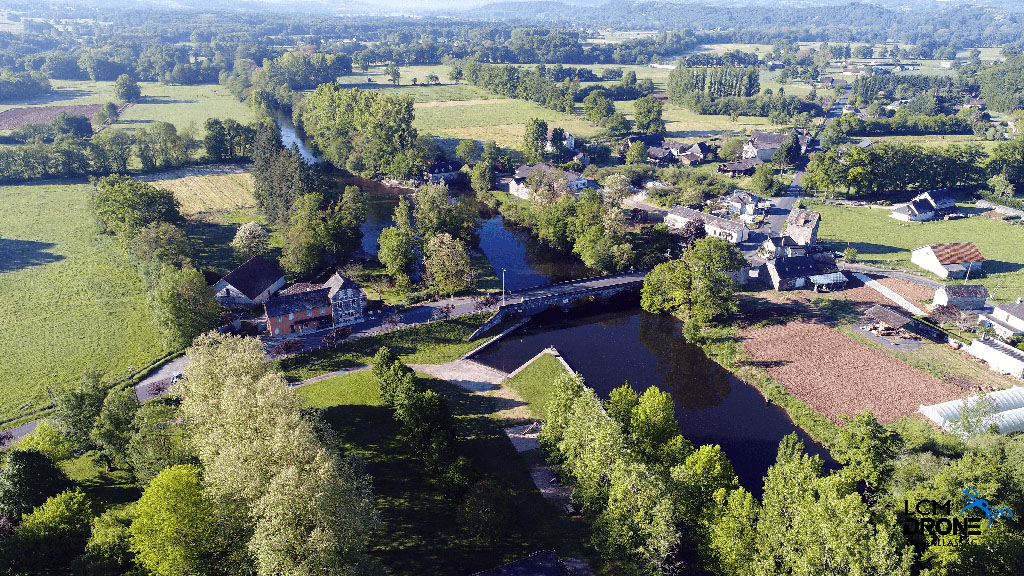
(974, 500)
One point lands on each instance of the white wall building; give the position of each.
(1000, 356)
(957, 260)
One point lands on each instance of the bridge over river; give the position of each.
(529, 301)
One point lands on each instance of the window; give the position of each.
(280, 319)
(291, 316)
(309, 313)
(323, 310)
(277, 331)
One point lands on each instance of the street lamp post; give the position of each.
(502, 286)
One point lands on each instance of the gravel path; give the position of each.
(890, 294)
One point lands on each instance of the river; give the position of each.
(609, 344)
(623, 344)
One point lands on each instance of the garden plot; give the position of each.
(202, 189)
(837, 375)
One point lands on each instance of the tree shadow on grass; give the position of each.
(212, 243)
(19, 254)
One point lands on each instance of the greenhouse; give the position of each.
(1008, 410)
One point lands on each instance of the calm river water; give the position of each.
(610, 348)
(611, 344)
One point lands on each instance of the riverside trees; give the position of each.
(698, 285)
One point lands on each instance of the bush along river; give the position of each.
(615, 343)
(611, 343)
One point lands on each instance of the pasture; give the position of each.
(881, 240)
(69, 300)
(182, 106)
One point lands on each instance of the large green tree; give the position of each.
(183, 305)
(447, 264)
(647, 115)
(174, 532)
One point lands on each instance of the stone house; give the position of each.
(348, 300)
(817, 272)
(744, 167)
(802, 226)
(250, 284)
(299, 313)
(963, 296)
(925, 206)
(442, 172)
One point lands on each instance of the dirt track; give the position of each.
(835, 374)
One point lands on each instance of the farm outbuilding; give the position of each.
(963, 296)
(1001, 357)
(1008, 406)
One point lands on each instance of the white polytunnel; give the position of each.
(1008, 405)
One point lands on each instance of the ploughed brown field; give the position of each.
(15, 118)
(836, 375)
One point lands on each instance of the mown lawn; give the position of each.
(533, 383)
(882, 240)
(69, 302)
(432, 343)
(179, 105)
(421, 532)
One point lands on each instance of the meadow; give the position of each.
(533, 383)
(182, 106)
(884, 241)
(69, 300)
(422, 532)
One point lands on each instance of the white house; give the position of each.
(963, 296)
(780, 247)
(957, 260)
(574, 182)
(924, 206)
(250, 284)
(1001, 357)
(1006, 319)
(742, 203)
(764, 144)
(715, 226)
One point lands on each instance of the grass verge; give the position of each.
(533, 383)
(433, 343)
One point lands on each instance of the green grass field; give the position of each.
(880, 239)
(432, 343)
(69, 302)
(533, 383)
(421, 532)
(179, 105)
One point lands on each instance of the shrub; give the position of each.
(51, 535)
(27, 479)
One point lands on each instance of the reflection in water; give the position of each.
(526, 262)
(625, 345)
(290, 137)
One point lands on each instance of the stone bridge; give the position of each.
(530, 301)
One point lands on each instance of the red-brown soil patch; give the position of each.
(15, 118)
(835, 374)
(914, 292)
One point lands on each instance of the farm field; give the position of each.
(179, 105)
(837, 375)
(937, 140)
(421, 530)
(882, 240)
(682, 124)
(13, 118)
(69, 302)
(201, 189)
(501, 120)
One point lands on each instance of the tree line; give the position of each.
(66, 148)
(888, 169)
(366, 132)
(236, 477)
(734, 91)
(22, 86)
